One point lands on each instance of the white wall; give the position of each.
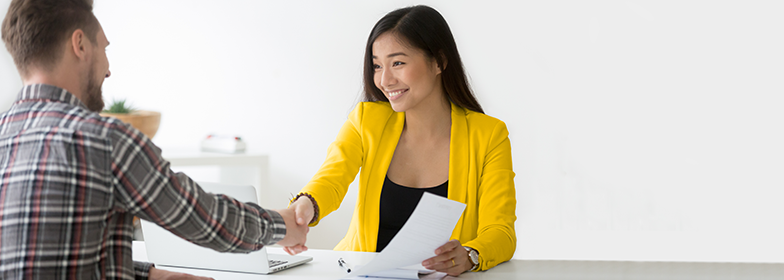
(10, 83)
(640, 129)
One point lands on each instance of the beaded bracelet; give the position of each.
(315, 205)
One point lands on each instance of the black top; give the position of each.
(397, 204)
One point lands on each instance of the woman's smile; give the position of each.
(395, 94)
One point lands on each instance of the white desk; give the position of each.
(324, 266)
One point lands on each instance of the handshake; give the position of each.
(297, 217)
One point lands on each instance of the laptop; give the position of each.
(166, 249)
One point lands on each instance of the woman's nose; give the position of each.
(388, 78)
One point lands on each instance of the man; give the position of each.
(71, 181)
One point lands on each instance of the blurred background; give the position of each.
(641, 130)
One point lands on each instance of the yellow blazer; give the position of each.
(480, 175)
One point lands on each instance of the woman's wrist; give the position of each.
(312, 201)
(473, 258)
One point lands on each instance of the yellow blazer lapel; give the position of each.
(387, 143)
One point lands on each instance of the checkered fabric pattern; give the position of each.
(71, 182)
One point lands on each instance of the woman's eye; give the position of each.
(376, 66)
(397, 63)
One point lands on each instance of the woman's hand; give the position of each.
(296, 234)
(303, 214)
(304, 209)
(451, 258)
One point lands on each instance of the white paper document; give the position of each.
(413, 272)
(428, 228)
(398, 273)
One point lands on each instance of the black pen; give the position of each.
(344, 265)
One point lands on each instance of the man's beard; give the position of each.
(93, 96)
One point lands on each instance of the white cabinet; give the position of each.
(241, 169)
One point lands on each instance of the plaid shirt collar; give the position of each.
(40, 92)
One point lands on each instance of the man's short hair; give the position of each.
(34, 30)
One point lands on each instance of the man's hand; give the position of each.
(296, 234)
(451, 258)
(160, 274)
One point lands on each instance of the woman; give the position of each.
(420, 130)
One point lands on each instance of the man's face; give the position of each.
(99, 70)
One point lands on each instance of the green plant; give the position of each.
(119, 107)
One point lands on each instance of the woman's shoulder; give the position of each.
(372, 115)
(372, 111)
(482, 122)
(377, 107)
(484, 130)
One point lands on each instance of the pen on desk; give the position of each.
(344, 265)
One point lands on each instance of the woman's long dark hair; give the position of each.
(424, 28)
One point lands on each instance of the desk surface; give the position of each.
(324, 266)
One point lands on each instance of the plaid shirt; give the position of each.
(71, 182)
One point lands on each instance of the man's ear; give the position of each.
(79, 44)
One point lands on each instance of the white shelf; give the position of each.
(246, 168)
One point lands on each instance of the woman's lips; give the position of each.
(396, 94)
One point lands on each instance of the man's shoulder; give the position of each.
(62, 116)
(91, 122)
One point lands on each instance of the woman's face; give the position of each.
(406, 76)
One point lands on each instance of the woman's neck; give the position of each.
(429, 122)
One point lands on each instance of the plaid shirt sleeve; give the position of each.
(146, 187)
(142, 270)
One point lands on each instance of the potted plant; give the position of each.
(145, 121)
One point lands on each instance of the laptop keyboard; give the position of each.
(274, 263)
